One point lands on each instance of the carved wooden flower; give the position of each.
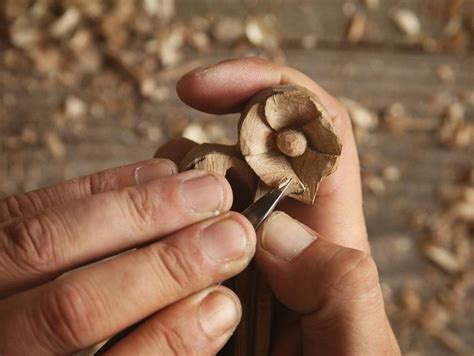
(285, 132)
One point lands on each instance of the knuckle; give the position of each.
(141, 207)
(10, 208)
(173, 270)
(101, 182)
(33, 244)
(19, 205)
(169, 340)
(355, 274)
(69, 317)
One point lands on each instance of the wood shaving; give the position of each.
(395, 119)
(195, 132)
(55, 145)
(362, 117)
(455, 131)
(372, 4)
(445, 73)
(309, 42)
(391, 174)
(66, 23)
(357, 28)
(228, 30)
(442, 258)
(374, 184)
(261, 32)
(407, 22)
(74, 107)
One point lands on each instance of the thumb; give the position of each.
(335, 289)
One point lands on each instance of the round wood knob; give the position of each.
(291, 142)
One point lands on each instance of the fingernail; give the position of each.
(201, 68)
(149, 172)
(203, 194)
(284, 237)
(225, 240)
(218, 314)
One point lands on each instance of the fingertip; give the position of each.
(219, 300)
(154, 169)
(284, 238)
(249, 230)
(226, 86)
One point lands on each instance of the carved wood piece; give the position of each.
(286, 132)
(227, 161)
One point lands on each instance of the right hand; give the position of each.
(188, 243)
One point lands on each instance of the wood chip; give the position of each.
(260, 31)
(442, 258)
(361, 117)
(195, 132)
(309, 42)
(357, 28)
(164, 9)
(375, 184)
(391, 173)
(55, 145)
(372, 4)
(74, 107)
(170, 46)
(29, 136)
(228, 30)
(445, 73)
(407, 22)
(64, 25)
(455, 132)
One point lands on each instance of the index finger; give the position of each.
(226, 87)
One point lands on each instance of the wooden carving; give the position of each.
(284, 132)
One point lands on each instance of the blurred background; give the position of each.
(87, 84)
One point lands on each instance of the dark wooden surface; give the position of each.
(327, 20)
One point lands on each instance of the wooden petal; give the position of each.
(255, 137)
(273, 168)
(321, 165)
(211, 157)
(292, 108)
(227, 161)
(321, 136)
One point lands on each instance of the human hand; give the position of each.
(186, 247)
(323, 272)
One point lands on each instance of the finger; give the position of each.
(227, 86)
(96, 302)
(336, 289)
(27, 204)
(199, 324)
(36, 249)
(175, 150)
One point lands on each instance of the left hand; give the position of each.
(323, 272)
